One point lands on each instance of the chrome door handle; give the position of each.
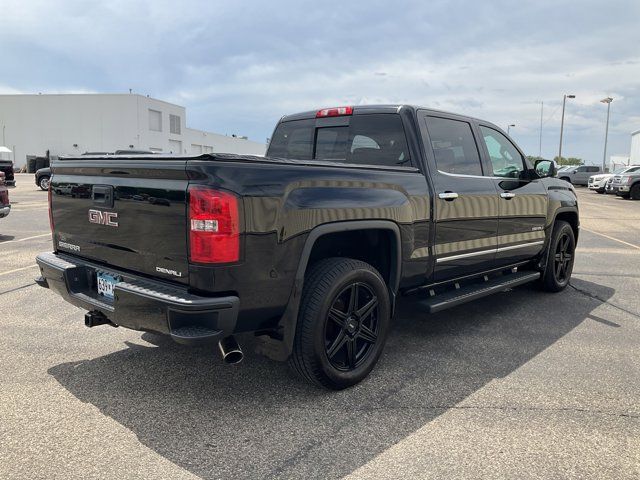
(507, 195)
(448, 196)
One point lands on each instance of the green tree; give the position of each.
(568, 161)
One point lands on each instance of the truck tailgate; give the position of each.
(127, 212)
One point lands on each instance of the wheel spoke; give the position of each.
(558, 270)
(338, 317)
(353, 298)
(557, 257)
(338, 343)
(351, 353)
(367, 310)
(367, 335)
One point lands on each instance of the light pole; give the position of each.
(509, 127)
(564, 101)
(608, 101)
(540, 141)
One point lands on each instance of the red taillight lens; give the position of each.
(334, 112)
(213, 226)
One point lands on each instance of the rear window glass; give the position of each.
(376, 139)
(454, 146)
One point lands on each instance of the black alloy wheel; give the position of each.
(351, 327)
(343, 323)
(560, 258)
(563, 258)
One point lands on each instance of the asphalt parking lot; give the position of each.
(519, 385)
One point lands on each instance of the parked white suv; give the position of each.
(599, 182)
(579, 175)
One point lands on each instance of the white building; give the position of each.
(74, 124)
(635, 148)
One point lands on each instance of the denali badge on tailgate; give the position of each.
(103, 218)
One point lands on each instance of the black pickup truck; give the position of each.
(310, 246)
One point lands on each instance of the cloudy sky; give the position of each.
(239, 66)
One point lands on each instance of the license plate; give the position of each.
(106, 283)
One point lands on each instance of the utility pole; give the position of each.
(540, 141)
(564, 101)
(608, 101)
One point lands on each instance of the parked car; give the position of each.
(579, 175)
(629, 185)
(5, 205)
(310, 246)
(43, 176)
(598, 183)
(6, 167)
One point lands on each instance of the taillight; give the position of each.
(213, 226)
(334, 112)
(50, 210)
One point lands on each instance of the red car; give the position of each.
(5, 206)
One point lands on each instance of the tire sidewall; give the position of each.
(379, 288)
(634, 192)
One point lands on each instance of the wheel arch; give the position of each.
(280, 347)
(327, 230)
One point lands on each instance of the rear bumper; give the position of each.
(140, 303)
(4, 211)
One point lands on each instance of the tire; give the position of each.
(43, 183)
(566, 179)
(634, 193)
(560, 259)
(340, 349)
(600, 191)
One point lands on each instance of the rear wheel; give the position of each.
(557, 272)
(634, 193)
(343, 323)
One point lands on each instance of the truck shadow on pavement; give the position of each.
(257, 420)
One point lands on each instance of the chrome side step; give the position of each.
(468, 293)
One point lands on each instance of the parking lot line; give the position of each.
(18, 269)
(611, 238)
(27, 238)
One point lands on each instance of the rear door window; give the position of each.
(375, 139)
(454, 146)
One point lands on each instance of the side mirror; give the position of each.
(545, 168)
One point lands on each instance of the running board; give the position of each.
(468, 293)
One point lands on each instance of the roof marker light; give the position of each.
(334, 112)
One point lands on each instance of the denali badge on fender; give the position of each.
(103, 218)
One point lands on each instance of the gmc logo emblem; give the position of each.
(103, 218)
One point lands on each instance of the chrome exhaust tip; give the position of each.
(230, 350)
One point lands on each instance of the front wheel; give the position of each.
(343, 323)
(634, 193)
(560, 258)
(44, 183)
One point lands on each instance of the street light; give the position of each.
(509, 127)
(564, 101)
(608, 101)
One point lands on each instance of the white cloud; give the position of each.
(239, 67)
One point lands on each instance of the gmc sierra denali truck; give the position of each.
(310, 246)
